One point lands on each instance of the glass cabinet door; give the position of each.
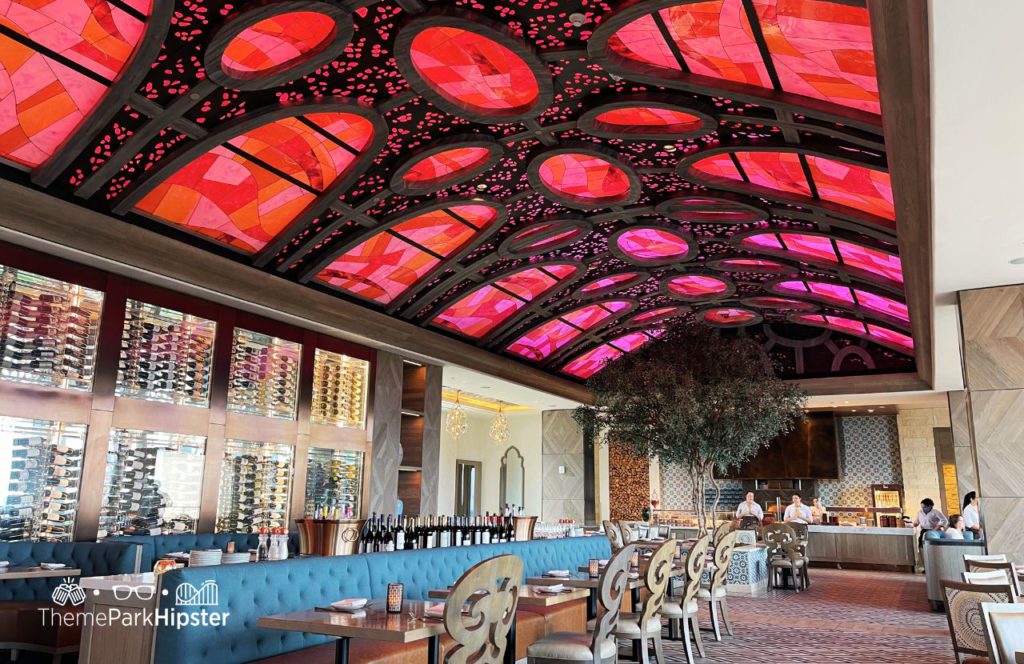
(40, 471)
(255, 486)
(48, 330)
(153, 483)
(166, 355)
(334, 479)
(264, 375)
(339, 389)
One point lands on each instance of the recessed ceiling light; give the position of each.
(1017, 261)
(481, 187)
(854, 410)
(871, 410)
(577, 19)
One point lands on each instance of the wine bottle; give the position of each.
(388, 537)
(364, 536)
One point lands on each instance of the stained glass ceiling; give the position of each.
(551, 182)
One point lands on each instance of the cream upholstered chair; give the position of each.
(645, 625)
(1004, 631)
(784, 552)
(480, 609)
(597, 647)
(683, 613)
(1005, 567)
(611, 530)
(963, 606)
(714, 594)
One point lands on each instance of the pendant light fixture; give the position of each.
(499, 427)
(455, 422)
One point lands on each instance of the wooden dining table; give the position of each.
(590, 583)
(372, 622)
(8, 573)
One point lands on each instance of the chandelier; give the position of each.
(455, 423)
(499, 427)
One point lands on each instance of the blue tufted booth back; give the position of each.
(155, 547)
(259, 589)
(94, 559)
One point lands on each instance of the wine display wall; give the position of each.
(339, 389)
(48, 330)
(40, 466)
(334, 479)
(255, 486)
(264, 375)
(153, 483)
(166, 355)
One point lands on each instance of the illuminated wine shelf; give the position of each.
(339, 389)
(334, 479)
(255, 486)
(264, 375)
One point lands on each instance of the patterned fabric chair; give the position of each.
(597, 647)
(785, 553)
(489, 593)
(963, 611)
(714, 594)
(645, 625)
(721, 531)
(1005, 567)
(684, 612)
(1004, 631)
(614, 535)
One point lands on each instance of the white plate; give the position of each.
(350, 604)
(551, 590)
(52, 565)
(559, 573)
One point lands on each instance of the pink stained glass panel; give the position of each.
(811, 247)
(892, 337)
(717, 166)
(439, 232)
(777, 171)
(654, 315)
(379, 269)
(445, 165)
(630, 342)
(647, 119)
(780, 303)
(831, 292)
(697, 286)
(822, 50)
(473, 71)
(652, 244)
(532, 282)
(479, 312)
(762, 241)
(545, 340)
(584, 177)
(858, 187)
(275, 42)
(728, 316)
(872, 261)
(607, 282)
(592, 361)
(883, 305)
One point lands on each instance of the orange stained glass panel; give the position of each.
(441, 233)
(648, 118)
(865, 189)
(592, 361)
(276, 41)
(822, 50)
(445, 165)
(584, 177)
(379, 269)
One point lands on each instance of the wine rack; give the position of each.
(166, 355)
(48, 330)
(44, 468)
(153, 483)
(255, 486)
(339, 389)
(334, 478)
(264, 375)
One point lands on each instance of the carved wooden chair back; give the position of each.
(489, 591)
(627, 531)
(781, 540)
(721, 531)
(610, 590)
(696, 561)
(614, 535)
(656, 576)
(723, 558)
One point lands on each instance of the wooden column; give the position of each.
(431, 468)
(386, 449)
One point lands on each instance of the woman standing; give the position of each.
(818, 511)
(971, 515)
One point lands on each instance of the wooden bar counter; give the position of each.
(862, 546)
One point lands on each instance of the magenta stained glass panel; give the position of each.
(883, 305)
(543, 341)
(879, 263)
(762, 241)
(607, 282)
(728, 316)
(630, 342)
(592, 361)
(479, 312)
(652, 244)
(780, 303)
(697, 286)
(654, 315)
(892, 337)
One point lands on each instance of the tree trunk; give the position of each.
(718, 495)
(700, 483)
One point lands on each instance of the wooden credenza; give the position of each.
(853, 545)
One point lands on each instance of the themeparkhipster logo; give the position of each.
(196, 607)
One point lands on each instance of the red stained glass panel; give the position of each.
(780, 303)
(697, 286)
(379, 269)
(654, 315)
(592, 361)
(632, 341)
(473, 71)
(778, 171)
(534, 281)
(729, 316)
(647, 119)
(607, 282)
(276, 42)
(864, 189)
(445, 165)
(585, 178)
(546, 339)
(822, 50)
(440, 233)
(879, 263)
(652, 244)
(718, 166)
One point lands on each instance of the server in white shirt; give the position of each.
(797, 512)
(749, 508)
(971, 516)
(929, 518)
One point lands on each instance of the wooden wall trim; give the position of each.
(127, 249)
(900, 34)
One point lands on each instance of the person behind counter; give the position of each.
(955, 529)
(971, 516)
(929, 519)
(818, 511)
(797, 512)
(749, 508)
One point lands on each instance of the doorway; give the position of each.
(467, 488)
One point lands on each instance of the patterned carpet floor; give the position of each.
(846, 616)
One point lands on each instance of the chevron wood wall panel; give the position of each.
(992, 320)
(386, 450)
(431, 441)
(563, 473)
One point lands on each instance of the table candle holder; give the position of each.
(634, 560)
(594, 568)
(395, 593)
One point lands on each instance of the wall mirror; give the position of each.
(513, 478)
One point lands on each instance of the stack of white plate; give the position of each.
(204, 558)
(233, 558)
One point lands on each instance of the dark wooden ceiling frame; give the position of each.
(591, 150)
(287, 71)
(691, 246)
(116, 97)
(757, 320)
(589, 123)
(32, 218)
(494, 149)
(676, 207)
(730, 287)
(856, 310)
(185, 153)
(597, 46)
(485, 27)
(789, 268)
(881, 342)
(802, 307)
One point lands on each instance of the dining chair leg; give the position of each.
(673, 628)
(686, 640)
(714, 620)
(695, 630)
(659, 653)
(725, 615)
(645, 656)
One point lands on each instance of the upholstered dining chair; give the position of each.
(721, 531)
(597, 647)
(963, 607)
(784, 552)
(645, 625)
(1005, 567)
(714, 594)
(1004, 631)
(682, 614)
(480, 609)
(611, 530)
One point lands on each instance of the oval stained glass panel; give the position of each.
(585, 178)
(276, 43)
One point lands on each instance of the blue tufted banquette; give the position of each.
(94, 559)
(155, 547)
(258, 589)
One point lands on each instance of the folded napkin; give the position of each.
(634, 575)
(4, 563)
(349, 605)
(52, 565)
(435, 611)
(553, 590)
(602, 563)
(559, 573)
